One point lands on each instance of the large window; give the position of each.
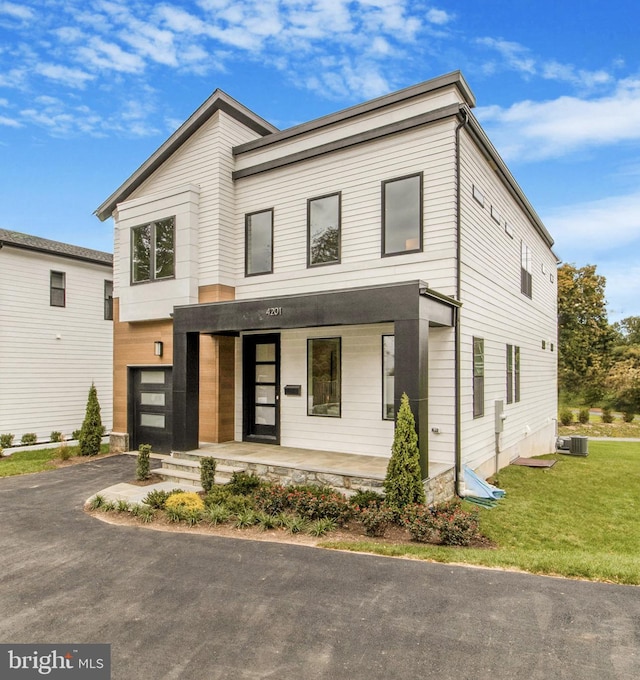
(402, 215)
(323, 230)
(388, 377)
(513, 374)
(478, 377)
(57, 289)
(108, 300)
(153, 251)
(525, 270)
(259, 243)
(324, 377)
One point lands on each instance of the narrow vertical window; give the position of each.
(108, 300)
(153, 251)
(324, 377)
(323, 230)
(526, 285)
(509, 374)
(57, 289)
(388, 377)
(259, 243)
(516, 385)
(402, 215)
(478, 377)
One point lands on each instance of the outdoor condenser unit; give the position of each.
(579, 446)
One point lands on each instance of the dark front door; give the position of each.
(150, 411)
(261, 394)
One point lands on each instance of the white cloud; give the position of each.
(439, 16)
(537, 130)
(16, 11)
(69, 76)
(109, 56)
(9, 122)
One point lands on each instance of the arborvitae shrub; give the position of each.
(91, 431)
(207, 473)
(403, 482)
(628, 416)
(566, 416)
(607, 416)
(143, 467)
(583, 416)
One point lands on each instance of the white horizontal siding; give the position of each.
(441, 395)
(495, 309)
(45, 379)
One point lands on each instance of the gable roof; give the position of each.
(218, 101)
(16, 239)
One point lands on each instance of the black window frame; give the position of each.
(526, 267)
(108, 300)
(152, 226)
(509, 374)
(310, 393)
(247, 220)
(383, 238)
(311, 264)
(54, 290)
(385, 412)
(478, 378)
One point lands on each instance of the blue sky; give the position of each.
(90, 88)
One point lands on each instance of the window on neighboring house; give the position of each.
(402, 215)
(513, 374)
(259, 243)
(478, 377)
(324, 377)
(108, 300)
(525, 270)
(323, 230)
(153, 251)
(57, 289)
(388, 377)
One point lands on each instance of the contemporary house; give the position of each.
(56, 327)
(288, 286)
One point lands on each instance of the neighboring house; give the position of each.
(289, 286)
(56, 334)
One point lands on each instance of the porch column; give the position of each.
(412, 377)
(186, 377)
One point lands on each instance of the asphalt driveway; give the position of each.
(201, 607)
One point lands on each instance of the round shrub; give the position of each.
(628, 416)
(607, 416)
(583, 416)
(184, 500)
(566, 416)
(375, 519)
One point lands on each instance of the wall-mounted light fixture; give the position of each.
(158, 347)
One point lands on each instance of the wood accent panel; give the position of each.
(216, 293)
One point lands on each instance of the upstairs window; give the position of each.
(108, 300)
(57, 289)
(323, 230)
(525, 270)
(153, 251)
(478, 377)
(402, 215)
(259, 243)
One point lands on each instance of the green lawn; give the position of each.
(577, 519)
(24, 462)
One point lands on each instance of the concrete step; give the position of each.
(187, 465)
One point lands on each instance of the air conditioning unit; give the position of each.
(579, 446)
(563, 444)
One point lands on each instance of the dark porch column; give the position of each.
(186, 389)
(412, 377)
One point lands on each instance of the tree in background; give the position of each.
(92, 430)
(585, 338)
(628, 331)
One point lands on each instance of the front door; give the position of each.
(150, 410)
(261, 393)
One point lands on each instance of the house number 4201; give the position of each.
(274, 311)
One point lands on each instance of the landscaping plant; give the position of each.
(566, 416)
(207, 473)
(607, 416)
(583, 416)
(403, 482)
(91, 431)
(29, 438)
(55, 436)
(6, 441)
(143, 465)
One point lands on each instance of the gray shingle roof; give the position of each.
(45, 245)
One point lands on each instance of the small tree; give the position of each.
(91, 430)
(143, 466)
(403, 482)
(207, 473)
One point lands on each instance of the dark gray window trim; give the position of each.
(52, 288)
(353, 140)
(516, 374)
(108, 300)
(310, 265)
(152, 253)
(321, 415)
(383, 252)
(246, 241)
(509, 368)
(384, 415)
(478, 381)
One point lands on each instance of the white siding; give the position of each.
(441, 395)
(495, 309)
(357, 173)
(361, 428)
(49, 356)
